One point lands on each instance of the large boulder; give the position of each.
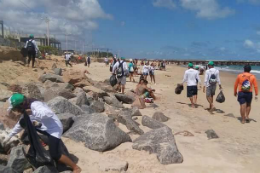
(51, 77)
(159, 116)
(58, 71)
(130, 124)
(98, 132)
(161, 142)
(87, 109)
(66, 120)
(17, 160)
(7, 169)
(112, 100)
(96, 92)
(98, 106)
(151, 123)
(61, 105)
(46, 169)
(125, 98)
(58, 89)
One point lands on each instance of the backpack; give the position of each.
(30, 46)
(120, 70)
(212, 79)
(246, 85)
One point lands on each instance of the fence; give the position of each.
(11, 43)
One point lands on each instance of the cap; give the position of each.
(31, 36)
(123, 58)
(131, 60)
(211, 63)
(190, 65)
(17, 99)
(197, 67)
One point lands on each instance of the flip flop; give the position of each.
(247, 120)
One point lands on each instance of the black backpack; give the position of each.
(120, 70)
(30, 46)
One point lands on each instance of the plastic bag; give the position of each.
(178, 89)
(113, 80)
(220, 98)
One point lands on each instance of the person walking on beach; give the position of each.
(120, 69)
(151, 72)
(146, 68)
(67, 59)
(210, 84)
(191, 77)
(32, 49)
(131, 70)
(244, 85)
(88, 61)
(48, 125)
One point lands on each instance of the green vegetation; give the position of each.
(49, 49)
(100, 54)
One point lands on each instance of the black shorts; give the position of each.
(192, 91)
(245, 97)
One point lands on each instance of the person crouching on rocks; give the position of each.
(50, 126)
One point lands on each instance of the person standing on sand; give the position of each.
(191, 77)
(245, 82)
(120, 69)
(32, 49)
(48, 124)
(131, 70)
(146, 68)
(88, 61)
(67, 59)
(151, 72)
(210, 84)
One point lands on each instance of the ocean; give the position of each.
(239, 69)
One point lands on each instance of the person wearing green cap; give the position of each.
(210, 84)
(46, 122)
(32, 49)
(120, 69)
(191, 77)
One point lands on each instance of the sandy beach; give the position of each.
(236, 150)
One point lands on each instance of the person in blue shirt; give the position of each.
(131, 70)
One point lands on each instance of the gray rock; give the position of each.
(136, 112)
(211, 134)
(81, 99)
(78, 91)
(53, 66)
(58, 89)
(151, 123)
(31, 90)
(98, 106)
(160, 141)
(46, 169)
(130, 124)
(67, 94)
(7, 169)
(159, 116)
(96, 91)
(87, 109)
(2, 127)
(58, 71)
(51, 77)
(113, 101)
(98, 132)
(125, 98)
(66, 120)
(17, 160)
(61, 105)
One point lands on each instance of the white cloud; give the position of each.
(222, 48)
(66, 16)
(249, 44)
(209, 9)
(258, 32)
(164, 3)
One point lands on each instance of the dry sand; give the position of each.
(236, 151)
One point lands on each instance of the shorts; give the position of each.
(151, 73)
(145, 74)
(192, 91)
(245, 97)
(121, 80)
(211, 90)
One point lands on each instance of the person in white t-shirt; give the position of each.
(191, 77)
(151, 72)
(50, 125)
(146, 68)
(67, 59)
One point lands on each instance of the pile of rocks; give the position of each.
(88, 111)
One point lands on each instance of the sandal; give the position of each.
(247, 120)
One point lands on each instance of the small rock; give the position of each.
(46, 169)
(151, 123)
(81, 99)
(98, 106)
(125, 98)
(112, 100)
(113, 164)
(58, 71)
(61, 105)
(67, 94)
(211, 134)
(51, 77)
(159, 116)
(98, 92)
(78, 91)
(66, 120)
(2, 127)
(136, 112)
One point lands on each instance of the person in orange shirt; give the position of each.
(244, 85)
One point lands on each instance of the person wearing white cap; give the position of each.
(131, 70)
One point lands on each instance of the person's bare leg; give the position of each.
(243, 112)
(248, 109)
(210, 100)
(151, 78)
(154, 79)
(192, 103)
(195, 97)
(123, 89)
(67, 161)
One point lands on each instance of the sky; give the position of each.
(155, 29)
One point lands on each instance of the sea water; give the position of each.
(239, 69)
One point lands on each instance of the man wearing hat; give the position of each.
(50, 125)
(210, 84)
(191, 77)
(120, 69)
(32, 49)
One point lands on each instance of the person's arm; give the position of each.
(17, 129)
(255, 86)
(184, 78)
(35, 45)
(115, 67)
(198, 78)
(218, 79)
(206, 78)
(26, 45)
(235, 86)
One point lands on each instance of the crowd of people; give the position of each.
(243, 87)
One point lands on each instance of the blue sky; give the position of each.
(180, 29)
